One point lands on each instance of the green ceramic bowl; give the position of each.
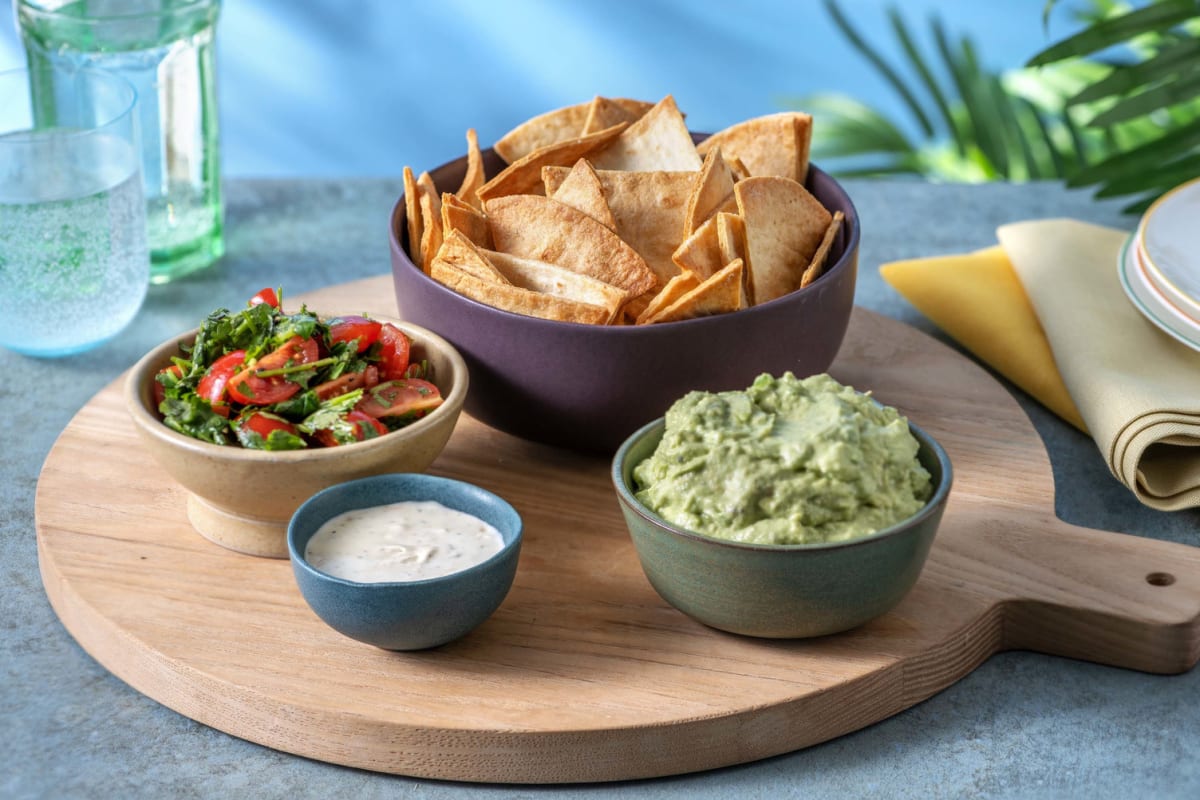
(780, 591)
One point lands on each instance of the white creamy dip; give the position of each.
(406, 541)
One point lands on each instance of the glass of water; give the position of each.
(74, 263)
(165, 49)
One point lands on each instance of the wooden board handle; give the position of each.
(1105, 597)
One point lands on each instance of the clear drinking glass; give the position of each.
(74, 264)
(165, 49)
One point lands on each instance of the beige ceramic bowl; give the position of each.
(243, 499)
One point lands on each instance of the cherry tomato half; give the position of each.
(400, 398)
(347, 329)
(250, 388)
(160, 391)
(394, 352)
(263, 423)
(348, 383)
(365, 427)
(214, 384)
(267, 296)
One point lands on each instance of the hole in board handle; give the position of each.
(1160, 579)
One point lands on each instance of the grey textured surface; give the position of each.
(1021, 726)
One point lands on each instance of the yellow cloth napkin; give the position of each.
(977, 299)
(1136, 389)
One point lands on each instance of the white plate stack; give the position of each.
(1160, 264)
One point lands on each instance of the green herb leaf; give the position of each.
(303, 324)
(331, 414)
(276, 440)
(192, 416)
(299, 406)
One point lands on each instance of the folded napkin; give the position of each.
(1049, 300)
(977, 299)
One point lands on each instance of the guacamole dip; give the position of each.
(787, 461)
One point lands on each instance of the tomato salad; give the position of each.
(267, 380)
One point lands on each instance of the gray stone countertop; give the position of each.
(1022, 725)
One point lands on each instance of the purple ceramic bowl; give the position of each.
(588, 387)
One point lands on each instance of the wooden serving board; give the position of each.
(584, 673)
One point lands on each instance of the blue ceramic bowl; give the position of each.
(780, 591)
(406, 615)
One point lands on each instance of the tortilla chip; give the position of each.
(412, 214)
(659, 141)
(460, 251)
(736, 166)
(425, 185)
(431, 219)
(524, 176)
(458, 215)
(817, 265)
(714, 184)
(580, 188)
(648, 208)
(700, 253)
(540, 276)
(542, 131)
(513, 298)
(554, 177)
(636, 307)
(731, 236)
(555, 126)
(637, 108)
(719, 294)
(784, 226)
(543, 229)
(731, 240)
(775, 144)
(475, 176)
(604, 113)
(728, 206)
(676, 288)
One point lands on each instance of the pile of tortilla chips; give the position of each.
(608, 213)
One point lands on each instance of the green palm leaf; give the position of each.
(880, 65)
(881, 171)
(1146, 156)
(1079, 144)
(1130, 126)
(982, 121)
(1119, 30)
(929, 83)
(1179, 57)
(1051, 160)
(857, 134)
(1159, 178)
(1151, 100)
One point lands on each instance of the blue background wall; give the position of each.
(363, 87)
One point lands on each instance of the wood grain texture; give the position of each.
(584, 673)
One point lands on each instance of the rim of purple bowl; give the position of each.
(848, 240)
